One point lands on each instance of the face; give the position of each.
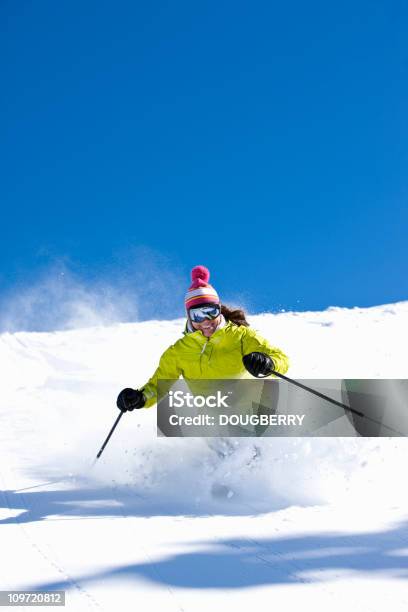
(207, 327)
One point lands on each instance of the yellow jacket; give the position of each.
(196, 357)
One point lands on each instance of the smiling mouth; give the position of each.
(207, 328)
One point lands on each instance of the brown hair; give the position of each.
(235, 315)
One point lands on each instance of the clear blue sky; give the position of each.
(266, 140)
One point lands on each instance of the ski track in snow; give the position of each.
(329, 530)
(40, 549)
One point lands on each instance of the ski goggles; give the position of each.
(201, 313)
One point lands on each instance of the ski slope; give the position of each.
(197, 524)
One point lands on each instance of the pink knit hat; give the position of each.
(200, 292)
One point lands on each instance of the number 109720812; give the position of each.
(32, 598)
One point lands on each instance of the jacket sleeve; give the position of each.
(252, 341)
(167, 370)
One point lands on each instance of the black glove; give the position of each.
(258, 364)
(129, 399)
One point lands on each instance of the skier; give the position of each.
(217, 343)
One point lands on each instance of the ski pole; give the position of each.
(333, 401)
(109, 435)
(326, 397)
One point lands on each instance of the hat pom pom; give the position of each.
(200, 276)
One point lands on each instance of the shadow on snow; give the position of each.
(240, 563)
(224, 563)
(82, 500)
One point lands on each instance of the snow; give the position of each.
(193, 524)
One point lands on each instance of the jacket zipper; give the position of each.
(201, 354)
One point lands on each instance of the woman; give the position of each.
(217, 344)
